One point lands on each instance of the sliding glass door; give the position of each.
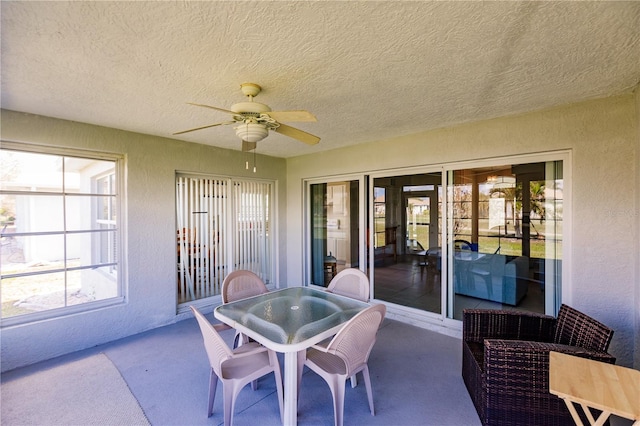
(406, 219)
(505, 237)
(222, 225)
(335, 214)
(487, 234)
(497, 244)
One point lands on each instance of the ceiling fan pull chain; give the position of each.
(254, 160)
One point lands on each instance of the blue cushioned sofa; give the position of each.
(493, 277)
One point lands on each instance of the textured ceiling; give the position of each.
(367, 70)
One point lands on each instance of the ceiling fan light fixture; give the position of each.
(252, 132)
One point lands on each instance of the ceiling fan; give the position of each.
(254, 120)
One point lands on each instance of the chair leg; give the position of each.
(213, 383)
(230, 390)
(354, 381)
(367, 385)
(337, 385)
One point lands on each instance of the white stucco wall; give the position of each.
(151, 163)
(602, 137)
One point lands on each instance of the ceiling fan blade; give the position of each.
(205, 127)
(292, 115)
(212, 107)
(248, 146)
(298, 134)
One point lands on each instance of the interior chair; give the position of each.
(240, 285)
(346, 355)
(351, 282)
(235, 368)
(505, 361)
(462, 245)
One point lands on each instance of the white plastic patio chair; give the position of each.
(235, 368)
(354, 283)
(240, 285)
(351, 282)
(346, 355)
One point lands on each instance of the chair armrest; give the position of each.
(481, 324)
(249, 349)
(521, 357)
(221, 327)
(516, 380)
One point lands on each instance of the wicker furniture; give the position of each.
(505, 361)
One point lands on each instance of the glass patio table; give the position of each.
(290, 321)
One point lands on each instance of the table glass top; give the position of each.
(292, 315)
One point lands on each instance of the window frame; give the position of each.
(117, 265)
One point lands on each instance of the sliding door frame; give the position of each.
(443, 321)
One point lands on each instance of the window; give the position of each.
(59, 221)
(223, 224)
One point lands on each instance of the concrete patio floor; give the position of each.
(415, 374)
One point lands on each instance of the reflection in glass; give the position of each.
(503, 246)
(406, 241)
(511, 217)
(334, 229)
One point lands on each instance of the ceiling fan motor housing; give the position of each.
(250, 107)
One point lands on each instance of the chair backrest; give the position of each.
(240, 285)
(351, 282)
(217, 349)
(354, 341)
(577, 329)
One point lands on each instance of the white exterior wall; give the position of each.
(149, 217)
(602, 137)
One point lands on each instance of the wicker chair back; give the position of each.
(577, 329)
